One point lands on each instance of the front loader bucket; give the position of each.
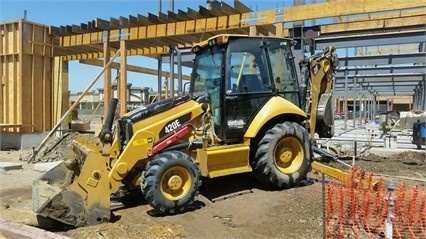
(75, 192)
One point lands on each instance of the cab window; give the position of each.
(247, 73)
(283, 71)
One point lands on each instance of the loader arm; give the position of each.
(77, 192)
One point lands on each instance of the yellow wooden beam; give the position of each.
(133, 68)
(146, 51)
(374, 24)
(297, 13)
(345, 7)
(107, 78)
(395, 14)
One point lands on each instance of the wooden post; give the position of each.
(253, 31)
(21, 109)
(122, 89)
(60, 89)
(107, 76)
(279, 29)
(2, 80)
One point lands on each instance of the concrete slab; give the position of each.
(5, 166)
(21, 140)
(44, 167)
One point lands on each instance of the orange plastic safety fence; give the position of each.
(358, 209)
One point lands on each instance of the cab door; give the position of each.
(248, 86)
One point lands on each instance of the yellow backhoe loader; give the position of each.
(245, 112)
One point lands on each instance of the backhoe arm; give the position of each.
(317, 85)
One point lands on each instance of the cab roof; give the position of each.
(225, 39)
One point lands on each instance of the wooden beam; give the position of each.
(395, 14)
(102, 24)
(115, 23)
(332, 28)
(205, 12)
(181, 15)
(145, 51)
(164, 18)
(143, 20)
(267, 17)
(241, 7)
(345, 7)
(107, 78)
(374, 24)
(154, 19)
(124, 22)
(173, 16)
(216, 9)
(235, 22)
(193, 14)
(133, 68)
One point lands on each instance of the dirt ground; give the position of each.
(229, 207)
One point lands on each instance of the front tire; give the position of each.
(171, 181)
(282, 159)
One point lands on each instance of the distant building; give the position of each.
(137, 96)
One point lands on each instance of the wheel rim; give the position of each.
(288, 155)
(175, 183)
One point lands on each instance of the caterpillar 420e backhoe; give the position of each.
(244, 111)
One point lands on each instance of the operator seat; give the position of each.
(250, 83)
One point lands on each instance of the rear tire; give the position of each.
(283, 156)
(171, 181)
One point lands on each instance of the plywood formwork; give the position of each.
(26, 55)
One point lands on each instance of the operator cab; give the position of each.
(240, 74)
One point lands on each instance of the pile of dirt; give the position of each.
(408, 167)
(58, 148)
(405, 164)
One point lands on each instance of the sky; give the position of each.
(66, 12)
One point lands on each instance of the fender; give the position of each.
(274, 107)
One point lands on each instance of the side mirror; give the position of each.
(184, 88)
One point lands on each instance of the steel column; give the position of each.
(346, 100)
(423, 107)
(354, 103)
